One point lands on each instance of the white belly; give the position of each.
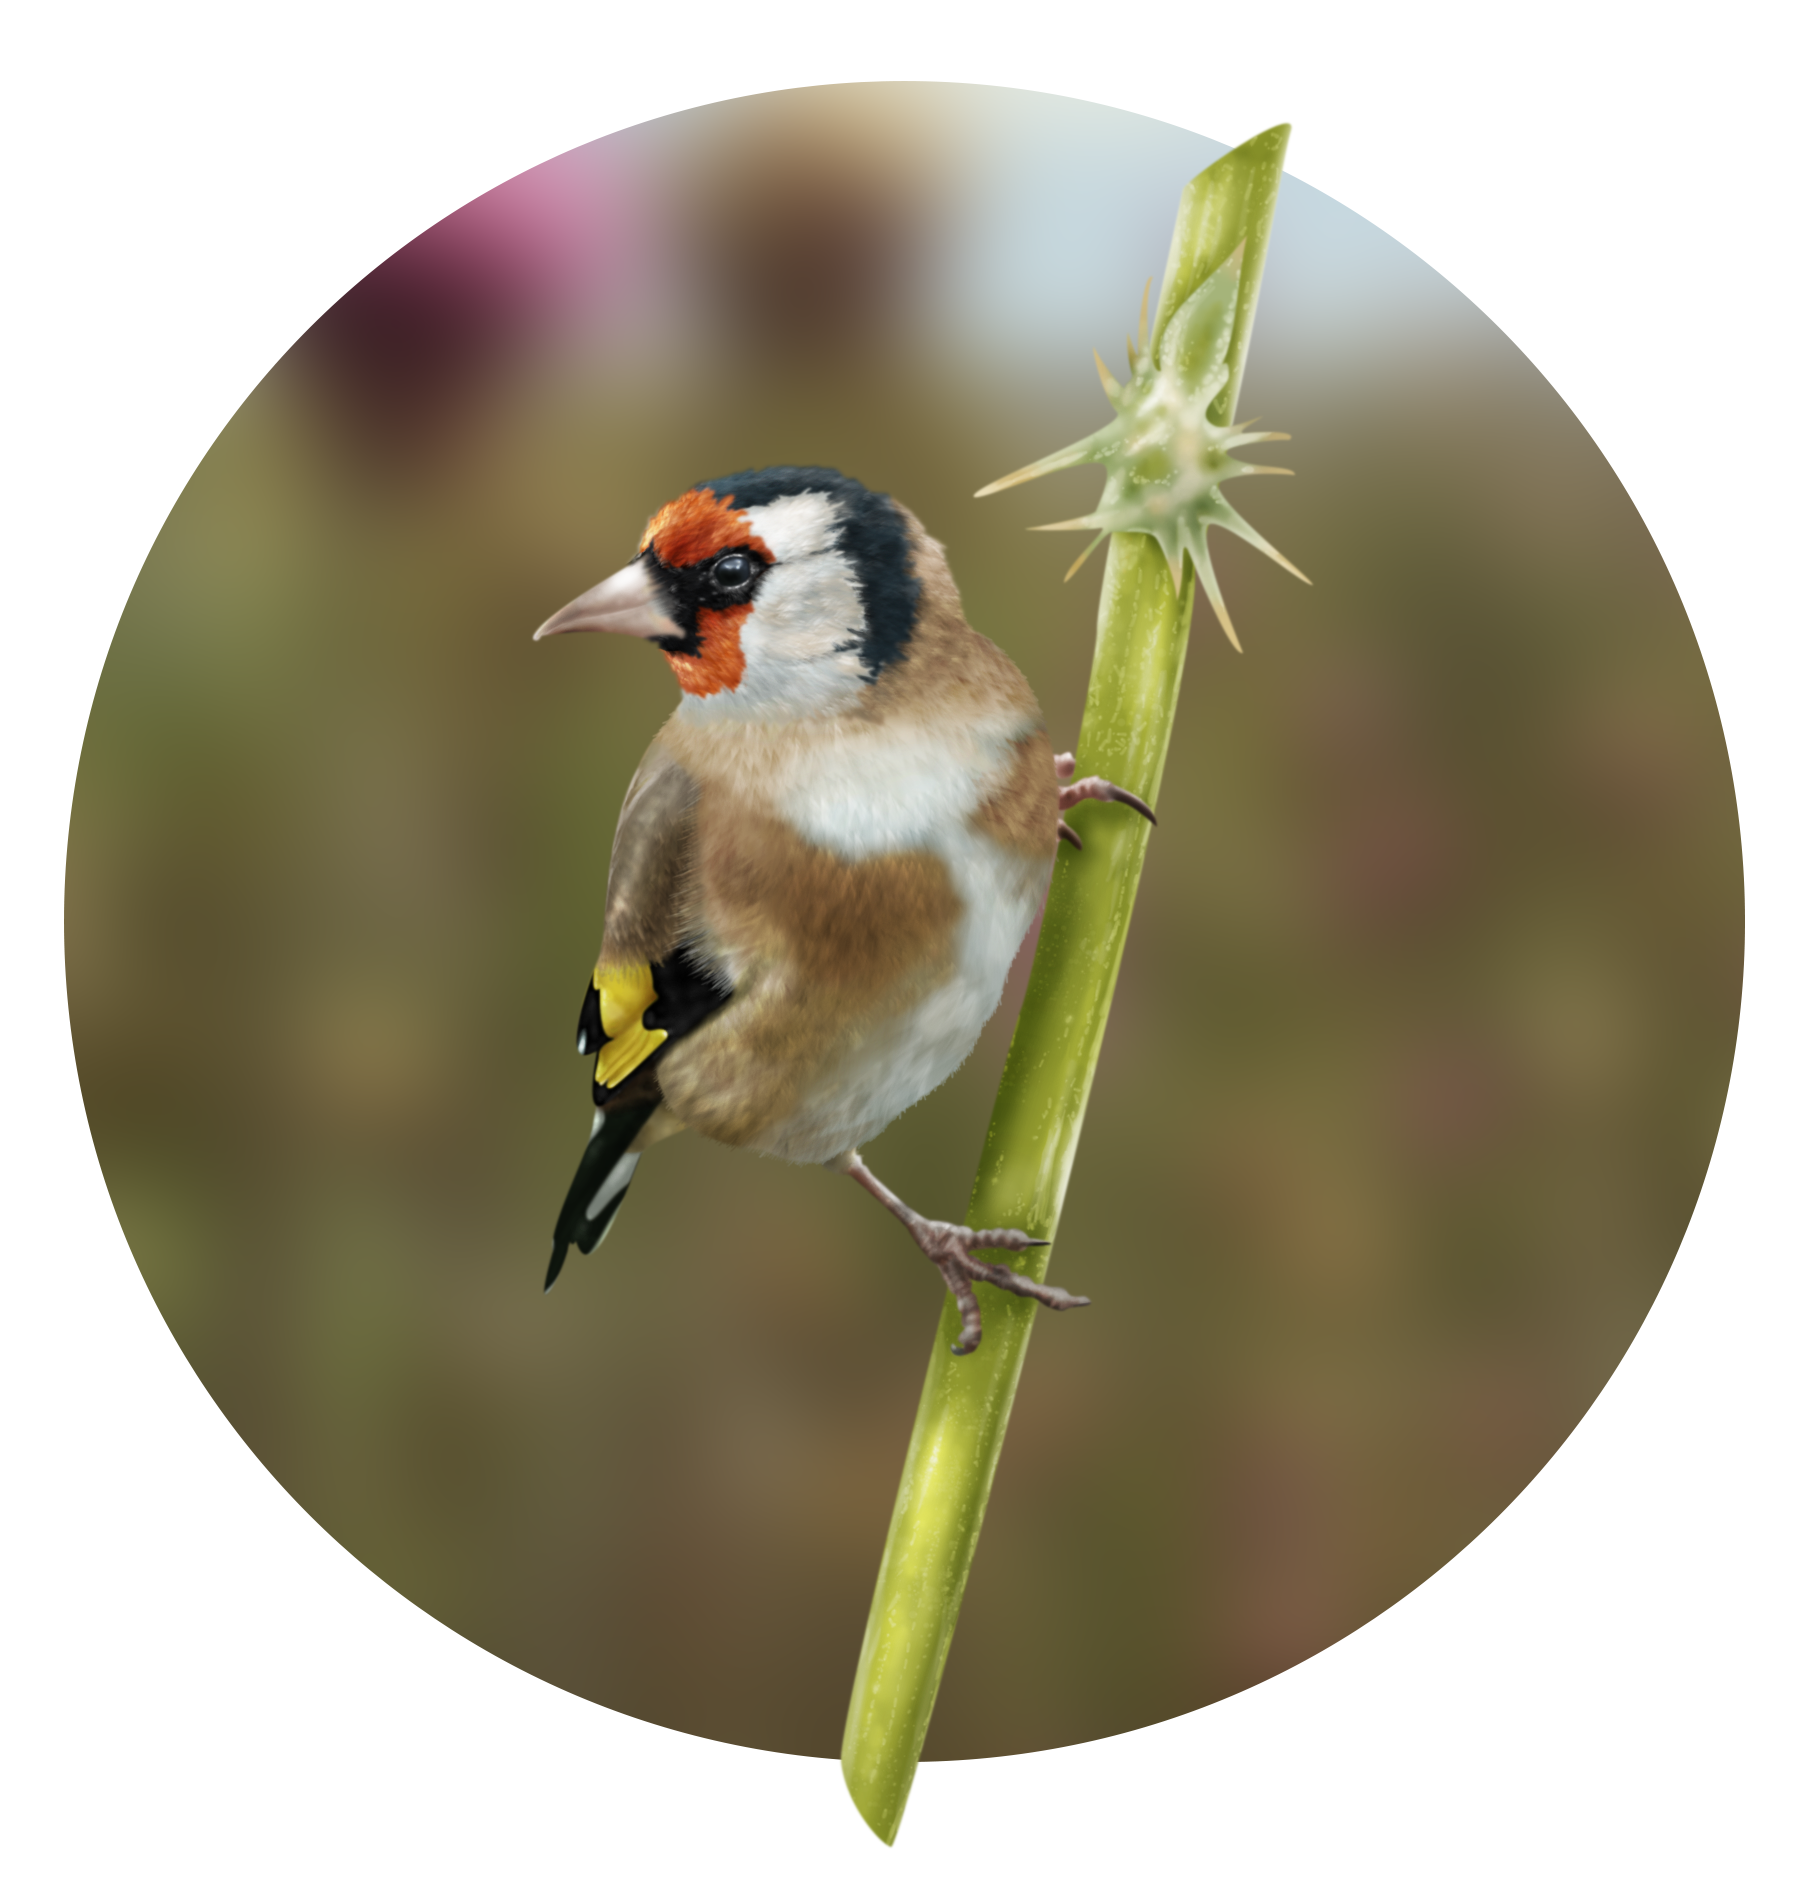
(870, 808)
(903, 1059)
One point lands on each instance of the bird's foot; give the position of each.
(1090, 790)
(950, 1247)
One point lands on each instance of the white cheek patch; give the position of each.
(806, 610)
(795, 527)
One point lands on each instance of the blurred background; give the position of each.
(1416, 1061)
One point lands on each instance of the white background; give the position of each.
(202, 1682)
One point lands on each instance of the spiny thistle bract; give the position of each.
(1165, 462)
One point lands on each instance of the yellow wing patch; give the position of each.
(624, 994)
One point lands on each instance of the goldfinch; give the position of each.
(827, 860)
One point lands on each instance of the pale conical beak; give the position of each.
(627, 603)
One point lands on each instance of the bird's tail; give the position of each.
(600, 1183)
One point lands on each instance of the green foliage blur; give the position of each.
(1416, 1062)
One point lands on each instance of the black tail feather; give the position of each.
(559, 1251)
(600, 1183)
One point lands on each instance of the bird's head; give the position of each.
(773, 592)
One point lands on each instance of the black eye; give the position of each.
(734, 573)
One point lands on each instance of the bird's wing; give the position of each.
(647, 988)
(648, 871)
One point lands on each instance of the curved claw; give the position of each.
(1101, 790)
(971, 1322)
(1068, 834)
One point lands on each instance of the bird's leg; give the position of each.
(949, 1247)
(1089, 788)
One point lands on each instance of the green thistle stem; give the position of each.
(1143, 626)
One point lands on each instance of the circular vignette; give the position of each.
(1416, 1062)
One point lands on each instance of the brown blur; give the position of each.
(1412, 1078)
